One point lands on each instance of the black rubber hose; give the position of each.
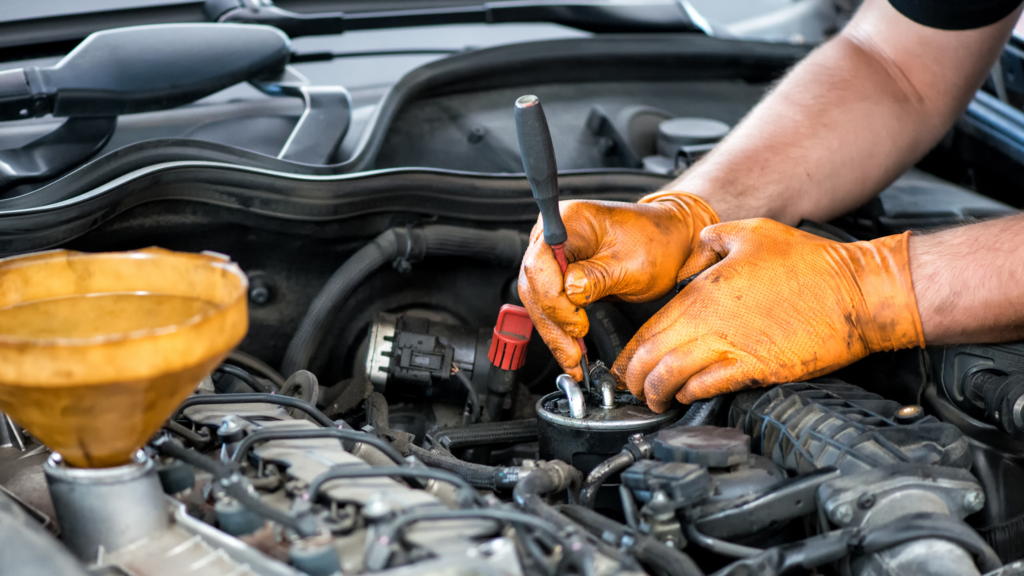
(254, 365)
(924, 526)
(720, 547)
(471, 396)
(377, 412)
(228, 479)
(510, 432)
(663, 558)
(700, 413)
(601, 473)
(478, 475)
(419, 473)
(244, 376)
(286, 401)
(377, 556)
(194, 438)
(610, 331)
(499, 246)
(352, 435)
(549, 478)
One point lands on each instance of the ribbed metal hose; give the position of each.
(497, 246)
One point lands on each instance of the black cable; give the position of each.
(378, 555)
(354, 435)
(927, 525)
(244, 376)
(286, 401)
(666, 559)
(471, 395)
(194, 438)
(349, 471)
(254, 364)
(718, 546)
(232, 483)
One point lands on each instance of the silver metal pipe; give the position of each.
(607, 393)
(106, 508)
(577, 405)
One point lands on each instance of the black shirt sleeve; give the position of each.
(955, 14)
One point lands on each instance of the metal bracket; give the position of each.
(323, 124)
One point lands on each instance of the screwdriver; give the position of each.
(542, 172)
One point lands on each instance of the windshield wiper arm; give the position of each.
(591, 16)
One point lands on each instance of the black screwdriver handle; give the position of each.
(539, 163)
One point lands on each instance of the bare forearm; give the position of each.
(969, 282)
(846, 121)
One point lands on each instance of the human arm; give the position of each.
(773, 304)
(847, 120)
(969, 282)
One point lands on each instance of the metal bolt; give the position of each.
(476, 134)
(842, 514)
(974, 500)
(259, 293)
(866, 500)
(376, 509)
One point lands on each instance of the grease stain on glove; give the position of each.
(772, 305)
(615, 249)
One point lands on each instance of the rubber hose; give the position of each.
(551, 477)
(377, 414)
(478, 475)
(412, 245)
(610, 331)
(650, 551)
(510, 432)
(701, 413)
(340, 285)
(601, 473)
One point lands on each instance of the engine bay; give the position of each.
(390, 409)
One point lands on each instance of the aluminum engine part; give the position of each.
(874, 498)
(106, 509)
(456, 544)
(809, 425)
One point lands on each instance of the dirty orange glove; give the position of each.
(632, 251)
(774, 305)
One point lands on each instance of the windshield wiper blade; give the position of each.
(591, 16)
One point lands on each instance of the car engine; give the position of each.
(390, 410)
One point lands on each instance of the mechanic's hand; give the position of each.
(774, 305)
(631, 251)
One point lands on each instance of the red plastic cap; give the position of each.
(511, 335)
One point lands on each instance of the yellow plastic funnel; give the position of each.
(96, 350)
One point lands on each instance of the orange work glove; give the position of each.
(632, 251)
(772, 305)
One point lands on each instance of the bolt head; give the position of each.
(974, 500)
(842, 514)
(866, 501)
